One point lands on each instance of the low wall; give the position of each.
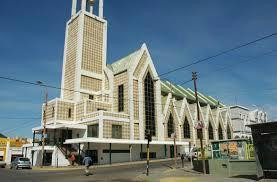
(230, 168)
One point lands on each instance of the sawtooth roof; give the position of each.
(181, 92)
(178, 91)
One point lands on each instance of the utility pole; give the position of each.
(149, 139)
(44, 122)
(175, 130)
(199, 123)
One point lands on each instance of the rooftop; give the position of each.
(238, 106)
(2, 136)
(167, 87)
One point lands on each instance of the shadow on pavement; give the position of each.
(252, 177)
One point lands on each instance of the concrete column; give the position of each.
(101, 8)
(8, 153)
(91, 9)
(84, 5)
(101, 125)
(74, 5)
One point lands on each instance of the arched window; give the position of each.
(170, 126)
(229, 135)
(149, 100)
(186, 128)
(220, 133)
(211, 131)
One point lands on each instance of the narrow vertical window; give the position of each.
(186, 128)
(220, 134)
(120, 98)
(229, 135)
(69, 113)
(211, 132)
(53, 112)
(170, 126)
(149, 101)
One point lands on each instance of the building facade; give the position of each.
(242, 116)
(11, 148)
(105, 109)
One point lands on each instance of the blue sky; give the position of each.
(176, 32)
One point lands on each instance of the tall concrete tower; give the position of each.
(84, 52)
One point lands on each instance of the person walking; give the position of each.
(87, 161)
(182, 158)
(72, 158)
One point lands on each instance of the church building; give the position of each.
(104, 109)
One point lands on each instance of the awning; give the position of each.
(121, 141)
(61, 126)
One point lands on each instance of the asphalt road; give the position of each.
(120, 173)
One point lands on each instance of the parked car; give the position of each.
(2, 164)
(21, 162)
(193, 153)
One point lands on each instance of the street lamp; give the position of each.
(40, 83)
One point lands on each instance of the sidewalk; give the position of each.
(65, 168)
(186, 175)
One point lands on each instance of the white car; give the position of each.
(193, 153)
(21, 162)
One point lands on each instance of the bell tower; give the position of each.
(84, 52)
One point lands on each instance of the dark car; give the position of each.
(21, 162)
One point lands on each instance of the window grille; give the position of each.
(93, 130)
(149, 100)
(117, 131)
(120, 98)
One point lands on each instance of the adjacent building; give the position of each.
(105, 109)
(11, 148)
(242, 116)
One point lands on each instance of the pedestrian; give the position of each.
(182, 157)
(72, 158)
(87, 162)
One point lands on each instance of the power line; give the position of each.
(71, 90)
(15, 118)
(205, 75)
(20, 126)
(241, 62)
(219, 54)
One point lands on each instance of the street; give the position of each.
(159, 171)
(119, 173)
